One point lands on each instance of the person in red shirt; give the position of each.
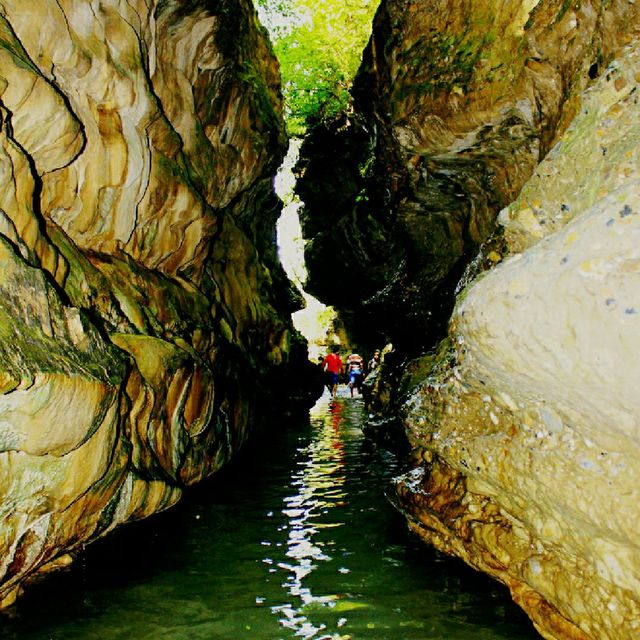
(332, 366)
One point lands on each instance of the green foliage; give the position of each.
(319, 45)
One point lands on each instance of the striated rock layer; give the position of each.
(142, 304)
(455, 105)
(526, 422)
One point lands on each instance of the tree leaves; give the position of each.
(319, 45)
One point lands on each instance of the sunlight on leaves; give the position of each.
(319, 45)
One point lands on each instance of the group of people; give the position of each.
(353, 367)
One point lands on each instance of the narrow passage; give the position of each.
(294, 540)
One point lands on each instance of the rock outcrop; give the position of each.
(143, 310)
(455, 105)
(524, 421)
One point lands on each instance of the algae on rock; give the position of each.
(529, 437)
(455, 105)
(144, 313)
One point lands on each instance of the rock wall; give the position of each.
(143, 310)
(526, 422)
(455, 105)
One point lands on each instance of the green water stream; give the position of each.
(294, 540)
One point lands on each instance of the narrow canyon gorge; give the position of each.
(476, 209)
(486, 192)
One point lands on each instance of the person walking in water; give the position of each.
(332, 366)
(374, 363)
(323, 375)
(355, 371)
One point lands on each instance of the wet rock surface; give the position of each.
(454, 108)
(493, 150)
(525, 425)
(143, 311)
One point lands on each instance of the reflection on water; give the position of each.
(293, 541)
(319, 487)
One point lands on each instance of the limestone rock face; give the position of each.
(526, 427)
(143, 310)
(455, 105)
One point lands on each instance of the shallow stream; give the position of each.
(294, 540)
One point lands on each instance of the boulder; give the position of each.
(526, 426)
